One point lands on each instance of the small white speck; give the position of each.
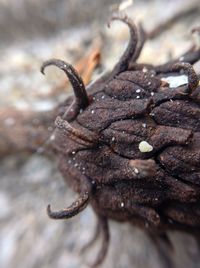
(65, 65)
(9, 121)
(73, 152)
(94, 98)
(93, 182)
(76, 164)
(138, 90)
(144, 125)
(181, 58)
(152, 93)
(69, 161)
(144, 70)
(136, 171)
(145, 147)
(113, 138)
(149, 83)
(52, 138)
(137, 97)
(122, 204)
(92, 111)
(81, 110)
(156, 199)
(151, 114)
(103, 97)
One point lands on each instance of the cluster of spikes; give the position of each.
(82, 101)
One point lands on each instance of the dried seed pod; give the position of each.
(129, 145)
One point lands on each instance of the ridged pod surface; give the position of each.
(129, 144)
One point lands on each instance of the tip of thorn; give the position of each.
(42, 69)
(48, 209)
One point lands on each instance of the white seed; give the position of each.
(145, 147)
(144, 125)
(138, 90)
(92, 111)
(122, 204)
(152, 93)
(137, 97)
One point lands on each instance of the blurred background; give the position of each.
(32, 31)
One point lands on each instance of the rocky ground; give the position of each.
(30, 33)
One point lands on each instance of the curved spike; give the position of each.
(75, 208)
(196, 30)
(123, 63)
(142, 36)
(188, 69)
(94, 238)
(104, 247)
(76, 81)
(63, 124)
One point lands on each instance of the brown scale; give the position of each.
(97, 141)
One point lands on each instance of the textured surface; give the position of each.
(28, 184)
